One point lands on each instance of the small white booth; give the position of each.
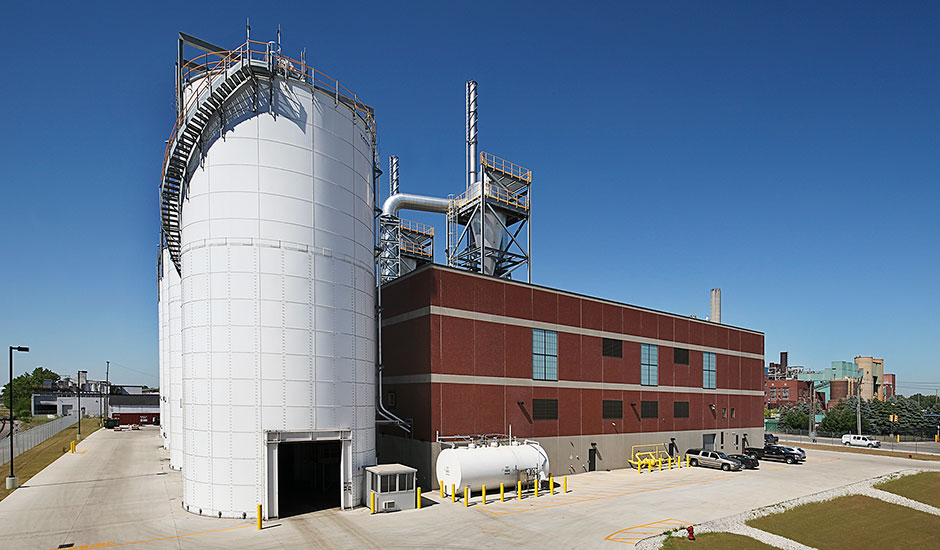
(393, 485)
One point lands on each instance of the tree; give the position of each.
(795, 417)
(23, 387)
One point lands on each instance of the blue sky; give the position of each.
(785, 153)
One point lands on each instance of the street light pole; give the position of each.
(12, 482)
(79, 437)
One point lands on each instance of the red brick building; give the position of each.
(779, 393)
(466, 354)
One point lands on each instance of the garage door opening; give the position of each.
(308, 476)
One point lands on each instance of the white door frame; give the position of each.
(271, 441)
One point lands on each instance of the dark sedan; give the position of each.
(748, 462)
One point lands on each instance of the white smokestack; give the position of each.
(716, 306)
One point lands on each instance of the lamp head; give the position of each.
(19, 348)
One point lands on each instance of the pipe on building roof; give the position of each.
(408, 201)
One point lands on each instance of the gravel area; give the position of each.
(737, 523)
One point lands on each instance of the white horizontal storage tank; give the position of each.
(174, 365)
(278, 313)
(478, 465)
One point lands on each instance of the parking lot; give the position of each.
(120, 492)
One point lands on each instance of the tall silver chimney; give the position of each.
(471, 133)
(715, 316)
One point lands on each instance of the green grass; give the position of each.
(923, 487)
(856, 522)
(34, 421)
(34, 460)
(716, 541)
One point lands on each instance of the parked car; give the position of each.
(770, 439)
(712, 459)
(777, 452)
(860, 441)
(748, 462)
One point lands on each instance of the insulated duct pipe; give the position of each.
(471, 133)
(407, 201)
(393, 175)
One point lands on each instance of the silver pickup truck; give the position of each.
(712, 459)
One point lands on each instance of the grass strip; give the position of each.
(923, 487)
(716, 541)
(856, 522)
(34, 460)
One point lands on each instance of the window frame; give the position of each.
(540, 413)
(677, 354)
(676, 411)
(544, 363)
(649, 365)
(611, 347)
(709, 371)
(645, 409)
(605, 414)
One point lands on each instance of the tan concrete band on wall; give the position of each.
(438, 378)
(516, 321)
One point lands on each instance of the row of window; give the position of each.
(547, 409)
(779, 393)
(545, 359)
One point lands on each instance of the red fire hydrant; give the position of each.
(691, 530)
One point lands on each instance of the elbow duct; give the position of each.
(407, 201)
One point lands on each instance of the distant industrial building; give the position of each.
(127, 403)
(587, 377)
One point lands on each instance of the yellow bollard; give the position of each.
(660, 464)
(686, 461)
(899, 438)
(564, 484)
(484, 495)
(936, 438)
(650, 466)
(519, 490)
(502, 492)
(371, 503)
(551, 485)
(442, 488)
(466, 496)
(73, 447)
(418, 504)
(453, 492)
(259, 514)
(536, 488)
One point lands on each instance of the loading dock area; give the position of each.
(121, 491)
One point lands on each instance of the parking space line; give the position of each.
(633, 535)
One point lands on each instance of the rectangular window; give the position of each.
(388, 483)
(680, 409)
(613, 409)
(649, 365)
(545, 409)
(544, 354)
(613, 348)
(708, 371)
(649, 409)
(680, 356)
(732, 412)
(406, 482)
(724, 413)
(784, 393)
(773, 393)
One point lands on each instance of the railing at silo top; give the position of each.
(209, 66)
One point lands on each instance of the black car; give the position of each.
(770, 439)
(748, 462)
(776, 452)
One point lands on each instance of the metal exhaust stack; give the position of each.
(715, 316)
(471, 132)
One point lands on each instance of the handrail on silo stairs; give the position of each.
(222, 74)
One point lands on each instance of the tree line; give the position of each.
(877, 416)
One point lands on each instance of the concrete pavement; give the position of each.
(120, 492)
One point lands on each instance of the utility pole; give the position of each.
(858, 404)
(107, 383)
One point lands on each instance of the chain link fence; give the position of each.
(921, 442)
(25, 441)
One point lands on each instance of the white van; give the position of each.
(860, 441)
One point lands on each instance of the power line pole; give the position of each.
(858, 404)
(107, 383)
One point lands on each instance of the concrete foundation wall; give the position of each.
(570, 455)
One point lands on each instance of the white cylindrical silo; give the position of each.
(174, 364)
(278, 306)
(163, 326)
